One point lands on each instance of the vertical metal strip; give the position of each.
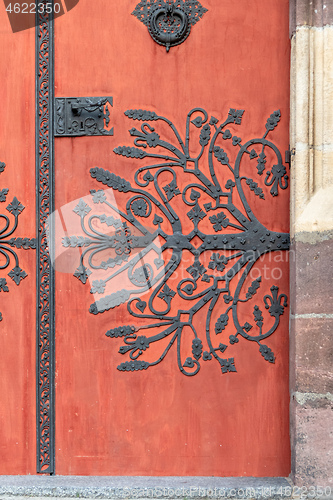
(45, 358)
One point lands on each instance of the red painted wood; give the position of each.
(17, 329)
(159, 422)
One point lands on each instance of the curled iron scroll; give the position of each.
(134, 237)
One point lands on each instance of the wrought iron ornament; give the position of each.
(8, 242)
(78, 116)
(45, 273)
(169, 22)
(224, 240)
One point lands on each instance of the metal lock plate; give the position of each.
(80, 116)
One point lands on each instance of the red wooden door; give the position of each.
(172, 337)
(17, 255)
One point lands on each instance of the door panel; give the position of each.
(18, 298)
(159, 421)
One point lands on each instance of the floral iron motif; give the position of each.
(223, 244)
(169, 23)
(7, 243)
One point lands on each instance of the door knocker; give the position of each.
(169, 23)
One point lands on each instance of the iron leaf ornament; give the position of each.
(169, 22)
(9, 244)
(176, 210)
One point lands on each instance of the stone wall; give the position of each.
(311, 328)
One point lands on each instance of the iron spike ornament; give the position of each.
(169, 22)
(179, 252)
(8, 242)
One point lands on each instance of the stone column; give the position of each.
(311, 329)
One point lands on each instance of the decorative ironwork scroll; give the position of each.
(44, 207)
(169, 22)
(175, 210)
(78, 116)
(8, 242)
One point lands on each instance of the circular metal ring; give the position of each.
(169, 25)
